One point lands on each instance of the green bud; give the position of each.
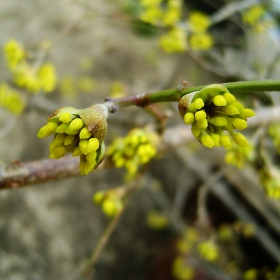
(214, 89)
(189, 118)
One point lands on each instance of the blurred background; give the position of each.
(196, 213)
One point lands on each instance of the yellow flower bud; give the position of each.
(58, 152)
(84, 133)
(231, 110)
(189, 118)
(76, 124)
(65, 117)
(98, 197)
(218, 121)
(225, 141)
(219, 100)
(69, 139)
(216, 139)
(198, 103)
(230, 98)
(61, 128)
(239, 123)
(77, 152)
(59, 139)
(247, 113)
(195, 130)
(91, 157)
(200, 115)
(207, 141)
(93, 145)
(240, 139)
(83, 145)
(202, 124)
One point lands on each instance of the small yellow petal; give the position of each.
(69, 139)
(207, 141)
(202, 124)
(83, 144)
(91, 157)
(239, 123)
(219, 100)
(200, 115)
(198, 103)
(77, 152)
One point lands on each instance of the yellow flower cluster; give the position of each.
(214, 115)
(14, 54)
(174, 41)
(11, 99)
(157, 220)
(81, 132)
(237, 155)
(250, 274)
(181, 270)
(110, 201)
(208, 250)
(26, 75)
(252, 15)
(137, 148)
(156, 13)
(200, 39)
(274, 133)
(70, 87)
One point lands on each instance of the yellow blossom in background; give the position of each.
(117, 89)
(152, 15)
(11, 99)
(25, 76)
(201, 41)
(67, 87)
(86, 84)
(34, 80)
(250, 274)
(14, 53)
(110, 201)
(171, 16)
(208, 250)
(136, 149)
(86, 64)
(237, 155)
(47, 77)
(181, 270)
(149, 3)
(174, 41)
(157, 220)
(198, 22)
(252, 15)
